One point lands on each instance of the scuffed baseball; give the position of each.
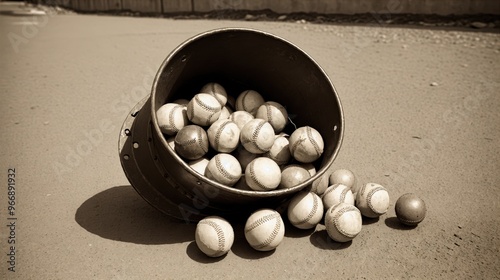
(250, 101)
(344, 177)
(217, 91)
(224, 168)
(280, 151)
(264, 230)
(343, 222)
(214, 236)
(191, 142)
(337, 193)
(257, 136)
(305, 210)
(243, 156)
(203, 109)
(199, 165)
(292, 175)
(274, 113)
(171, 118)
(263, 174)
(373, 200)
(241, 118)
(224, 136)
(306, 144)
(225, 113)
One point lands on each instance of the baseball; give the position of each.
(199, 165)
(249, 101)
(257, 136)
(305, 210)
(372, 200)
(191, 142)
(280, 151)
(319, 185)
(171, 118)
(243, 156)
(217, 91)
(224, 168)
(274, 113)
(214, 236)
(264, 230)
(292, 175)
(171, 142)
(344, 177)
(410, 209)
(203, 109)
(337, 193)
(225, 113)
(263, 174)
(224, 136)
(241, 118)
(306, 144)
(343, 222)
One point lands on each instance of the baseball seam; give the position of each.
(171, 119)
(223, 171)
(255, 135)
(244, 107)
(336, 220)
(276, 230)
(269, 113)
(328, 190)
(220, 235)
(296, 145)
(369, 199)
(251, 170)
(343, 194)
(212, 110)
(200, 140)
(261, 221)
(312, 212)
(412, 222)
(219, 132)
(313, 142)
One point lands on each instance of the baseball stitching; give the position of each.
(276, 230)
(369, 199)
(313, 142)
(338, 215)
(296, 144)
(261, 221)
(171, 119)
(254, 178)
(312, 213)
(219, 132)
(255, 135)
(343, 194)
(269, 113)
(245, 94)
(220, 235)
(200, 141)
(410, 222)
(223, 171)
(212, 110)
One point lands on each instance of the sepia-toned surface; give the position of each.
(421, 109)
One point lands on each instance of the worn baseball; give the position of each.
(344, 177)
(203, 109)
(225, 113)
(224, 168)
(372, 200)
(217, 91)
(264, 230)
(171, 142)
(263, 174)
(410, 209)
(319, 185)
(241, 118)
(199, 165)
(191, 142)
(337, 193)
(171, 118)
(292, 175)
(305, 210)
(343, 222)
(306, 144)
(214, 236)
(249, 101)
(243, 156)
(274, 113)
(280, 151)
(224, 136)
(257, 136)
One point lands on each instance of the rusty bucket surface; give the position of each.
(239, 59)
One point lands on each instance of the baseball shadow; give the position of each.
(120, 214)
(369, 221)
(294, 232)
(394, 223)
(321, 240)
(242, 249)
(197, 255)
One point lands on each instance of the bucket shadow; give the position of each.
(120, 214)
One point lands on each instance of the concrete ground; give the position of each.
(422, 115)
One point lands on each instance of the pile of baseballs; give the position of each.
(341, 207)
(240, 141)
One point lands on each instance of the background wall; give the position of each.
(441, 7)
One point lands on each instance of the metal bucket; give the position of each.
(239, 59)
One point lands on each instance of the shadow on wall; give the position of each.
(119, 213)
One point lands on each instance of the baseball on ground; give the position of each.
(305, 210)
(171, 118)
(372, 200)
(337, 193)
(274, 113)
(263, 174)
(224, 168)
(191, 142)
(203, 109)
(217, 91)
(410, 209)
(249, 101)
(214, 236)
(264, 230)
(343, 222)
(306, 144)
(257, 136)
(224, 136)
(344, 177)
